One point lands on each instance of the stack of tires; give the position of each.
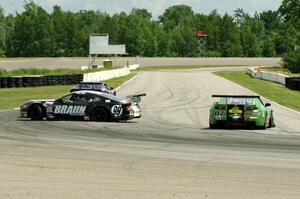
(293, 83)
(33, 81)
(3, 82)
(18, 81)
(11, 82)
(77, 78)
(26, 81)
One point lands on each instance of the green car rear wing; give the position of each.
(237, 96)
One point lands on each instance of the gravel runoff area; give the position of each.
(52, 63)
(168, 153)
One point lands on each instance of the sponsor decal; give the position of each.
(69, 110)
(235, 110)
(117, 110)
(219, 113)
(49, 109)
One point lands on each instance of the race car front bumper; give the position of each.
(23, 114)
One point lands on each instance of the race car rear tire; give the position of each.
(213, 126)
(271, 122)
(217, 126)
(100, 115)
(35, 112)
(265, 124)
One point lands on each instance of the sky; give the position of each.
(156, 7)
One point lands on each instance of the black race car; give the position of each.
(83, 105)
(94, 86)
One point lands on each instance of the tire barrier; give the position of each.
(11, 83)
(3, 82)
(34, 81)
(293, 83)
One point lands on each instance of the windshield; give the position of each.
(86, 86)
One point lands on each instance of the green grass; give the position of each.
(281, 70)
(35, 71)
(16, 58)
(272, 91)
(155, 68)
(13, 97)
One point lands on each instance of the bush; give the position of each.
(292, 61)
(212, 54)
(2, 54)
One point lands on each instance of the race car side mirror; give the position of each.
(268, 104)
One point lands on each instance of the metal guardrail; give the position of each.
(292, 83)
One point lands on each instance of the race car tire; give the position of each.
(35, 112)
(265, 124)
(218, 126)
(100, 115)
(212, 126)
(271, 122)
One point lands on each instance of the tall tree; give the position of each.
(214, 33)
(33, 32)
(178, 15)
(290, 10)
(229, 39)
(2, 33)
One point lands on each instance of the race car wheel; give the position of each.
(271, 122)
(35, 113)
(217, 126)
(100, 115)
(212, 126)
(265, 124)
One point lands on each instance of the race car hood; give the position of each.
(44, 102)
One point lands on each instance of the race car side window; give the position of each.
(79, 98)
(67, 98)
(98, 86)
(96, 98)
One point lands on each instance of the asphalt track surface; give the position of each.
(168, 153)
(52, 63)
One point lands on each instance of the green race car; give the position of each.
(240, 110)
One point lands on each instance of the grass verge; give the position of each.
(281, 70)
(16, 58)
(13, 97)
(155, 68)
(36, 71)
(272, 91)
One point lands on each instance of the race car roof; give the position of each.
(91, 83)
(109, 96)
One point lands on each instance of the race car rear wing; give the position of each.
(136, 98)
(237, 96)
(237, 99)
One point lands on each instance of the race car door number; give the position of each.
(219, 113)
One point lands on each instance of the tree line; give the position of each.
(37, 33)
